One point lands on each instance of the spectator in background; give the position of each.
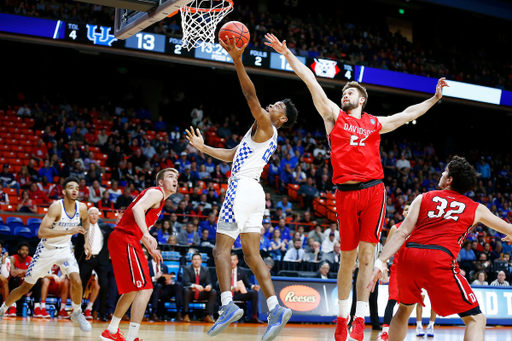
(188, 236)
(224, 168)
(90, 137)
(389, 165)
(186, 179)
(308, 193)
(160, 124)
(224, 131)
(317, 234)
(285, 230)
(39, 152)
(105, 204)
(333, 228)
(217, 175)
(164, 233)
(102, 137)
(205, 241)
(277, 246)
(56, 192)
(299, 177)
(77, 171)
(480, 279)
(32, 172)
(89, 160)
(77, 136)
(183, 212)
(148, 150)
(467, 257)
(403, 166)
(4, 197)
(269, 204)
(27, 205)
(114, 192)
(328, 243)
(9, 181)
(264, 242)
(197, 115)
(210, 224)
(333, 257)
(182, 162)
(285, 205)
(484, 169)
(24, 110)
(500, 281)
(124, 200)
(285, 178)
(199, 291)
(483, 264)
(45, 186)
(37, 195)
(96, 192)
(47, 171)
(296, 254)
(323, 272)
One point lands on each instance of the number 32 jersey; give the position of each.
(355, 144)
(445, 219)
(252, 157)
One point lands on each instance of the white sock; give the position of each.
(63, 306)
(226, 297)
(89, 305)
(114, 325)
(13, 305)
(361, 308)
(385, 329)
(43, 305)
(133, 331)
(77, 308)
(431, 323)
(272, 302)
(3, 308)
(37, 305)
(418, 323)
(344, 308)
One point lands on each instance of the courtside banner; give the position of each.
(316, 300)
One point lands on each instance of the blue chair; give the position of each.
(33, 224)
(14, 222)
(4, 229)
(23, 231)
(36, 232)
(1, 221)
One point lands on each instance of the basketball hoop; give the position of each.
(200, 19)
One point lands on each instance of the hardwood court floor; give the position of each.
(17, 329)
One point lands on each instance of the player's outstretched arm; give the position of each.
(413, 112)
(325, 107)
(196, 139)
(248, 89)
(483, 215)
(46, 231)
(395, 242)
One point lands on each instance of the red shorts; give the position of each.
(393, 284)
(53, 288)
(438, 273)
(130, 266)
(361, 215)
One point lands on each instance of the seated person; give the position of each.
(245, 291)
(332, 257)
(188, 236)
(323, 272)
(55, 285)
(480, 278)
(296, 253)
(315, 255)
(197, 285)
(164, 288)
(205, 241)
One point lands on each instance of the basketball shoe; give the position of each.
(108, 336)
(419, 330)
(79, 318)
(341, 332)
(64, 314)
(87, 314)
(11, 312)
(430, 331)
(357, 333)
(383, 336)
(277, 319)
(37, 312)
(228, 313)
(44, 313)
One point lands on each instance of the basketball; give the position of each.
(236, 31)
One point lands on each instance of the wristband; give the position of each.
(380, 265)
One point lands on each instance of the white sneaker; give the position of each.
(419, 330)
(430, 331)
(82, 322)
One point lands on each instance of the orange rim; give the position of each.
(194, 9)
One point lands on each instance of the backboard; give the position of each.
(131, 21)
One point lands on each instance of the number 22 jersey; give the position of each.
(445, 219)
(355, 144)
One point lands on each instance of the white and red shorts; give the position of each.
(130, 266)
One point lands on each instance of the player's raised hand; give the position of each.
(231, 48)
(195, 138)
(439, 88)
(274, 43)
(377, 274)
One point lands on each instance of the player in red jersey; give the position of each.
(354, 138)
(435, 228)
(130, 267)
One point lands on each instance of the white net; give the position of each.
(199, 20)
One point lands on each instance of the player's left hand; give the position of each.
(150, 240)
(157, 256)
(232, 49)
(377, 274)
(439, 88)
(195, 138)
